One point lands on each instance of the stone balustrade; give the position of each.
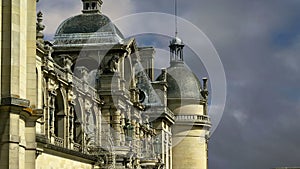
(77, 147)
(193, 118)
(60, 72)
(58, 141)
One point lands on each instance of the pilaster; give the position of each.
(30, 66)
(17, 46)
(17, 128)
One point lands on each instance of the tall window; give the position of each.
(93, 5)
(59, 116)
(77, 121)
(87, 6)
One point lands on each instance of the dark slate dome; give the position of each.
(182, 83)
(88, 23)
(87, 28)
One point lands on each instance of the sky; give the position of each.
(258, 42)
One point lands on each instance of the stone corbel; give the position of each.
(38, 152)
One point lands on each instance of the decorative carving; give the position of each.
(90, 124)
(204, 92)
(65, 62)
(71, 121)
(51, 112)
(82, 73)
(39, 27)
(98, 77)
(113, 64)
(164, 75)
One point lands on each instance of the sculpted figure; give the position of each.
(113, 63)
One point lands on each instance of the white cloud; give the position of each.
(240, 116)
(290, 56)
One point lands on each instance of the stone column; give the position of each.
(97, 111)
(134, 145)
(138, 139)
(71, 124)
(122, 125)
(105, 124)
(116, 117)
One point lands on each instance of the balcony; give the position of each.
(193, 120)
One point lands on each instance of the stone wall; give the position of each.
(48, 161)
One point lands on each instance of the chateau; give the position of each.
(89, 100)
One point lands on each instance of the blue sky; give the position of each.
(258, 42)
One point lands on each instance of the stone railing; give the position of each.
(77, 82)
(193, 118)
(93, 92)
(58, 141)
(83, 86)
(60, 72)
(77, 147)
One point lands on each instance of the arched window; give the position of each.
(77, 121)
(127, 72)
(59, 116)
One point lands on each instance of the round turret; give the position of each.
(188, 102)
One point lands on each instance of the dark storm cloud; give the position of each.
(260, 122)
(259, 45)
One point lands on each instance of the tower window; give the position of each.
(93, 5)
(87, 6)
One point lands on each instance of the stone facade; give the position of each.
(89, 99)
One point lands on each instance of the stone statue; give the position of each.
(113, 63)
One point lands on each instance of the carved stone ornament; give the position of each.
(113, 64)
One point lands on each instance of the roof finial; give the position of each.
(39, 27)
(176, 45)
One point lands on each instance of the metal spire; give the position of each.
(176, 44)
(176, 30)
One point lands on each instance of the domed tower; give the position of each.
(91, 28)
(188, 101)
